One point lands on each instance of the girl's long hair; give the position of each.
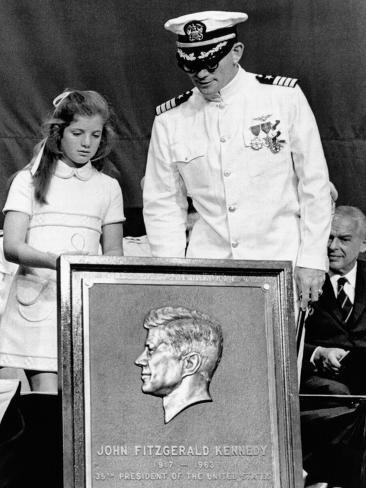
(76, 103)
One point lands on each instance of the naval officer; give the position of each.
(248, 152)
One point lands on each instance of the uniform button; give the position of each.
(235, 244)
(222, 139)
(227, 173)
(232, 208)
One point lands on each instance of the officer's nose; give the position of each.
(202, 73)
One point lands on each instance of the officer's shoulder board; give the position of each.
(173, 102)
(277, 80)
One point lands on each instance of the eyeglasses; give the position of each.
(193, 71)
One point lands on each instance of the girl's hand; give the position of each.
(53, 257)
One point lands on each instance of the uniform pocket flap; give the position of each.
(184, 153)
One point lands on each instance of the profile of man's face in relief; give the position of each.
(161, 364)
(182, 350)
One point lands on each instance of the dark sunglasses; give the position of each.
(210, 67)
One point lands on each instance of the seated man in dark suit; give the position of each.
(335, 338)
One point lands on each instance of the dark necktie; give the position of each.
(343, 300)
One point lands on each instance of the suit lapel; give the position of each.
(360, 294)
(329, 302)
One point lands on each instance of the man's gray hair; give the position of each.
(355, 214)
(190, 331)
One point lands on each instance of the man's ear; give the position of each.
(237, 51)
(191, 363)
(363, 245)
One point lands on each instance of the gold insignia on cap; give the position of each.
(206, 54)
(184, 55)
(195, 30)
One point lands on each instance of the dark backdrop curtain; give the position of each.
(121, 49)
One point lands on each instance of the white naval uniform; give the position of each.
(252, 203)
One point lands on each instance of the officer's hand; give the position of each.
(309, 284)
(327, 359)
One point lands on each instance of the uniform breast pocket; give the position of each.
(36, 298)
(269, 164)
(267, 149)
(192, 163)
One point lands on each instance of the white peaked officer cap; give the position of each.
(205, 37)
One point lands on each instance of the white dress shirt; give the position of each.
(349, 286)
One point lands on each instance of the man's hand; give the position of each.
(327, 359)
(309, 284)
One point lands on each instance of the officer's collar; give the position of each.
(65, 171)
(232, 88)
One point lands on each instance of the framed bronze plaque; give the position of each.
(178, 373)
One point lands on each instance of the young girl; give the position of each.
(59, 204)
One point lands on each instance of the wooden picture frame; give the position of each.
(115, 435)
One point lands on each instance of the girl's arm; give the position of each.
(112, 239)
(17, 250)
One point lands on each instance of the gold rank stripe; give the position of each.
(173, 102)
(285, 81)
(165, 106)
